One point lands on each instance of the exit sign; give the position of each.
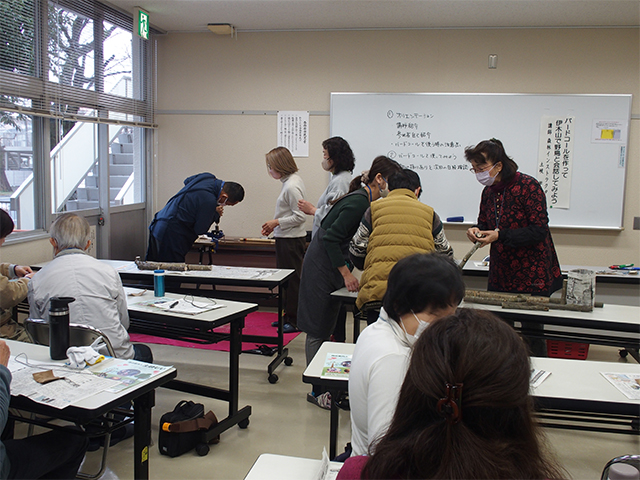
(142, 24)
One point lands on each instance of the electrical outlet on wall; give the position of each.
(92, 237)
(636, 223)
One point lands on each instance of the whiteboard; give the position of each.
(428, 133)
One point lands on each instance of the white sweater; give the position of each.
(338, 187)
(292, 220)
(378, 366)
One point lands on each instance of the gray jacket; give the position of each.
(100, 298)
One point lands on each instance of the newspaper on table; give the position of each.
(111, 375)
(627, 383)
(336, 365)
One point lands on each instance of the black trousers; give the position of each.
(289, 254)
(55, 454)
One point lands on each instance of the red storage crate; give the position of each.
(558, 349)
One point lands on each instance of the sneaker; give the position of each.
(323, 400)
(274, 324)
(288, 328)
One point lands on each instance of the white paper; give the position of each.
(293, 132)
(537, 377)
(181, 306)
(609, 131)
(555, 159)
(336, 365)
(627, 383)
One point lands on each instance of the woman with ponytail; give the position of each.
(326, 267)
(464, 410)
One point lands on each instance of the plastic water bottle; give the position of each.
(158, 283)
(59, 327)
(623, 471)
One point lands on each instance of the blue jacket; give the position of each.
(189, 213)
(5, 398)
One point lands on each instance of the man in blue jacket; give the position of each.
(55, 454)
(190, 213)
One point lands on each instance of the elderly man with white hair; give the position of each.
(100, 300)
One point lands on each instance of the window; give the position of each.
(75, 105)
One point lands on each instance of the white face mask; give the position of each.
(326, 165)
(275, 174)
(384, 192)
(422, 326)
(485, 177)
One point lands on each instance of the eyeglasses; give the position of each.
(480, 170)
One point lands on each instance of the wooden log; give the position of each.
(483, 300)
(169, 266)
(525, 306)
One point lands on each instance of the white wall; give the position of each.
(299, 70)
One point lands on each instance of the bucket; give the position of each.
(581, 287)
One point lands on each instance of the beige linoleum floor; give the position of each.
(283, 422)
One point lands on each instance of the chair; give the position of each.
(79, 336)
(633, 460)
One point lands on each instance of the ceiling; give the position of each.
(264, 15)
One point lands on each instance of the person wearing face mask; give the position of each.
(513, 219)
(288, 227)
(403, 226)
(338, 159)
(326, 266)
(190, 213)
(421, 289)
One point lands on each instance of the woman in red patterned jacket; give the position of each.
(513, 219)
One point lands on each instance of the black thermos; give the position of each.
(59, 327)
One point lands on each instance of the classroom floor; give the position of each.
(283, 422)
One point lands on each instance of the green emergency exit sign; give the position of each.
(142, 22)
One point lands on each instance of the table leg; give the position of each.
(333, 429)
(142, 434)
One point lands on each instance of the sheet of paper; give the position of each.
(537, 377)
(627, 383)
(336, 365)
(181, 306)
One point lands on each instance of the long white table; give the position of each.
(575, 395)
(612, 325)
(84, 411)
(179, 326)
(272, 281)
(619, 287)
(282, 467)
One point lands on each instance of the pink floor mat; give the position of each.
(256, 323)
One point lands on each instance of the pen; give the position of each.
(622, 266)
(174, 304)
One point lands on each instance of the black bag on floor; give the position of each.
(182, 430)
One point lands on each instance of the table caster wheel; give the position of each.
(273, 378)
(288, 361)
(202, 449)
(623, 353)
(243, 423)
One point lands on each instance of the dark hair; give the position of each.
(340, 154)
(493, 151)
(380, 165)
(6, 224)
(495, 436)
(422, 281)
(234, 191)
(404, 179)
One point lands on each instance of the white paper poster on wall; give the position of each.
(555, 159)
(293, 132)
(609, 131)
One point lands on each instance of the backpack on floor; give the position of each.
(183, 429)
